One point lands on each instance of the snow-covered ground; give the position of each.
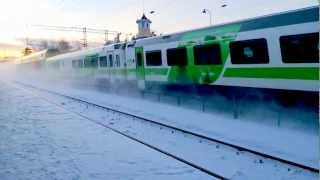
(41, 141)
(294, 145)
(223, 160)
(291, 144)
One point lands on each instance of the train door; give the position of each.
(110, 63)
(140, 71)
(117, 64)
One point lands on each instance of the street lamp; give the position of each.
(207, 11)
(224, 5)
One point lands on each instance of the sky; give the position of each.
(17, 17)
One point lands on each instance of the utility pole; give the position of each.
(85, 40)
(106, 33)
(83, 30)
(117, 39)
(127, 35)
(27, 41)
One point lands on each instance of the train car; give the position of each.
(79, 63)
(106, 63)
(34, 61)
(279, 52)
(275, 55)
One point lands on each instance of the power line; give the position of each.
(73, 29)
(83, 30)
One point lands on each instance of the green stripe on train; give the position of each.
(301, 73)
(156, 71)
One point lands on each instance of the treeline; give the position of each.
(54, 47)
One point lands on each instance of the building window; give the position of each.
(177, 57)
(103, 61)
(253, 51)
(207, 54)
(153, 58)
(300, 48)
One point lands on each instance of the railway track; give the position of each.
(183, 160)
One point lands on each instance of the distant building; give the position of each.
(144, 27)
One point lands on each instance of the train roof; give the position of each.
(83, 52)
(308, 14)
(32, 57)
(86, 52)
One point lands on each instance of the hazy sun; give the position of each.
(10, 53)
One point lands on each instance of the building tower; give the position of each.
(144, 27)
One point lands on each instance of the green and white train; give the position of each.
(277, 53)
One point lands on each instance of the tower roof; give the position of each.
(144, 17)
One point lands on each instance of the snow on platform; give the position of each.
(41, 141)
(289, 144)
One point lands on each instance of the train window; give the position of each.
(54, 65)
(77, 64)
(207, 54)
(95, 62)
(118, 60)
(177, 57)
(301, 48)
(110, 60)
(139, 59)
(153, 58)
(86, 63)
(253, 51)
(74, 64)
(103, 61)
(80, 63)
(91, 62)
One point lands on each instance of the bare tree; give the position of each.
(44, 44)
(27, 51)
(64, 46)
